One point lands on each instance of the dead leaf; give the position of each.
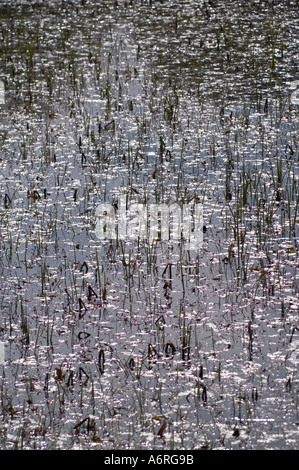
(162, 429)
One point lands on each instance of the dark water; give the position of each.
(169, 102)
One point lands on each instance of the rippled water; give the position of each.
(138, 345)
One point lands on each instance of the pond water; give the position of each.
(141, 344)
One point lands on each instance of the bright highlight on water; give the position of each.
(2, 93)
(114, 334)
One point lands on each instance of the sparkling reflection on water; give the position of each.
(137, 345)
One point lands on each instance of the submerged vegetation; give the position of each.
(132, 344)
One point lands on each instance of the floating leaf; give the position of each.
(83, 335)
